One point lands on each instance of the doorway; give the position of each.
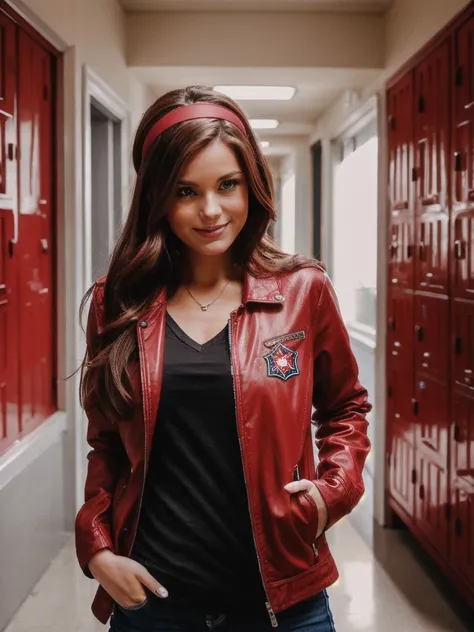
(106, 185)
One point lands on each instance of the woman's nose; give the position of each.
(210, 207)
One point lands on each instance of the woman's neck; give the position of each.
(207, 272)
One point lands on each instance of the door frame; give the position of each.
(97, 90)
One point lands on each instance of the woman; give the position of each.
(206, 349)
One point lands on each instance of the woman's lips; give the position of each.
(211, 233)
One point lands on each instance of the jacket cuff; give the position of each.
(98, 540)
(339, 500)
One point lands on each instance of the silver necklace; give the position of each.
(205, 307)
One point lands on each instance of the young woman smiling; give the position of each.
(207, 349)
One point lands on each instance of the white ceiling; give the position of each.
(360, 6)
(316, 88)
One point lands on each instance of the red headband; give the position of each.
(188, 113)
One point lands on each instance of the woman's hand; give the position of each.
(310, 488)
(124, 579)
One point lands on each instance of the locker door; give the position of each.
(400, 381)
(9, 393)
(462, 484)
(431, 158)
(462, 164)
(401, 438)
(431, 409)
(463, 343)
(400, 143)
(35, 283)
(432, 336)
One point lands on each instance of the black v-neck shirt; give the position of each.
(194, 533)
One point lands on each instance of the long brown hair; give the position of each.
(146, 257)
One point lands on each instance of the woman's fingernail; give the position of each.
(162, 591)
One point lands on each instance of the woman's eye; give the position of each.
(229, 185)
(184, 192)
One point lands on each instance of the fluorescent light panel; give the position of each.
(264, 123)
(258, 93)
(264, 144)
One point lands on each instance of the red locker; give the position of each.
(400, 325)
(34, 249)
(435, 451)
(462, 484)
(432, 336)
(463, 343)
(432, 427)
(401, 438)
(462, 247)
(9, 389)
(400, 143)
(432, 127)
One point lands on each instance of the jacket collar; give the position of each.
(263, 291)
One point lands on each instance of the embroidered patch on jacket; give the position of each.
(282, 362)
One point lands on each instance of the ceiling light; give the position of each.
(265, 144)
(264, 123)
(258, 93)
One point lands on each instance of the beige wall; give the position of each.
(96, 28)
(255, 39)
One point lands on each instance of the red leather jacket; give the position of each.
(290, 351)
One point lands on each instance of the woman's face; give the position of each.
(211, 201)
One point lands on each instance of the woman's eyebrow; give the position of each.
(227, 176)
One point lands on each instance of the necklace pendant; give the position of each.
(204, 308)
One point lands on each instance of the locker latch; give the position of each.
(460, 249)
(457, 161)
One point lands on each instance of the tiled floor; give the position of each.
(366, 598)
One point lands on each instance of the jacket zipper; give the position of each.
(268, 606)
(144, 478)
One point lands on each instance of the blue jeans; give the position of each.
(313, 615)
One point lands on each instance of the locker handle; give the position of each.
(410, 251)
(459, 249)
(422, 492)
(11, 151)
(458, 345)
(421, 251)
(400, 206)
(419, 333)
(457, 161)
(430, 200)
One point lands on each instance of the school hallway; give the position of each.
(369, 596)
(364, 110)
